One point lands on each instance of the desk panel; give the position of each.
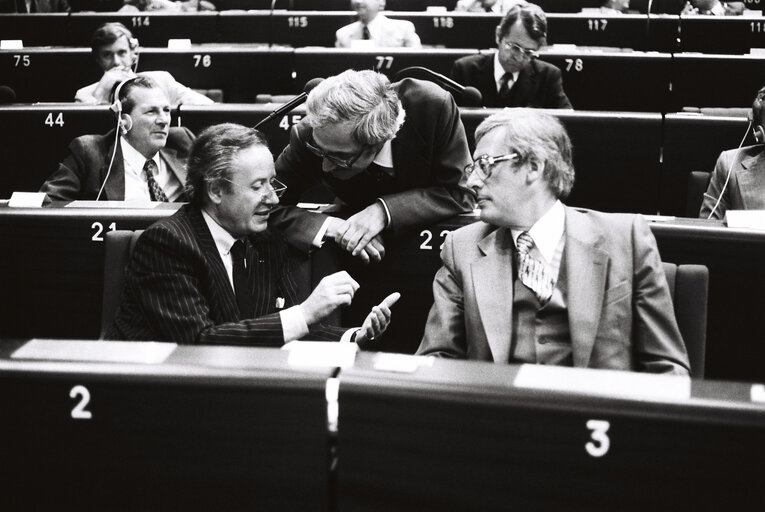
(732, 34)
(629, 81)
(729, 80)
(35, 138)
(37, 29)
(293, 28)
(693, 143)
(311, 63)
(151, 29)
(465, 436)
(47, 75)
(53, 267)
(209, 428)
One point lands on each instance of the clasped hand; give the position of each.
(359, 235)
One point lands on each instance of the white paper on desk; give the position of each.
(749, 219)
(113, 204)
(608, 383)
(321, 353)
(96, 351)
(26, 199)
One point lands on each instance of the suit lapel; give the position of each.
(114, 190)
(751, 181)
(520, 94)
(493, 282)
(587, 266)
(487, 82)
(220, 286)
(176, 165)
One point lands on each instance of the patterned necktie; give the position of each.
(365, 33)
(241, 277)
(532, 272)
(504, 85)
(155, 191)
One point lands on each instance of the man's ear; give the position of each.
(214, 192)
(534, 171)
(498, 35)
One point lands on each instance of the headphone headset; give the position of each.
(124, 124)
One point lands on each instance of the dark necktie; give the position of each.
(505, 82)
(241, 275)
(365, 32)
(155, 191)
(532, 272)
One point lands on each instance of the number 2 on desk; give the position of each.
(97, 236)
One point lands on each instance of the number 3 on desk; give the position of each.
(600, 442)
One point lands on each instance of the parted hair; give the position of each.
(108, 33)
(366, 98)
(536, 137)
(212, 154)
(123, 89)
(532, 18)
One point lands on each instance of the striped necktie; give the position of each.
(532, 272)
(155, 191)
(365, 32)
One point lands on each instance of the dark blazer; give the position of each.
(620, 310)
(40, 6)
(430, 152)
(746, 184)
(176, 288)
(83, 171)
(539, 84)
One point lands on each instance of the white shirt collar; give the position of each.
(384, 157)
(547, 231)
(374, 25)
(134, 160)
(222, 238)
(499, 70)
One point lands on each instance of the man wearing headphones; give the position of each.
(738, 181)
(116, 53)
(142, 159)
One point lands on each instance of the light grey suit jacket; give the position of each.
(746, 188)
(619, 306)
(392, 33)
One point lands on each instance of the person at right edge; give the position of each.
(744, 171)
(513, 76)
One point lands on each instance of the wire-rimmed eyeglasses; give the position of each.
(275, 185)
(482, 166)
(345, 163)
(520, 51)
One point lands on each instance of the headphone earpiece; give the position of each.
(133, 43)
(126, 123)
(756, 117)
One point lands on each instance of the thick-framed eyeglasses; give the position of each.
(273, 184)
(520, 51)
(345, 163)
(483, 165)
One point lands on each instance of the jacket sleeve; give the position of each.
(658, 346)
(715, 191)
(66, 183)
(445, 328)
(556, 96)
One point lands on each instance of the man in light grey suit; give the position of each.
(539, 282)
(376, 29)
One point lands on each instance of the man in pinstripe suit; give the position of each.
(214, 272)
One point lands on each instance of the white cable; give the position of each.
(730, 168)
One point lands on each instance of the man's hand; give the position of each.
(359, 234)
(377, 321)
(114, 76)
(332, 292)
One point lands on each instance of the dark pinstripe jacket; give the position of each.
(176, 288)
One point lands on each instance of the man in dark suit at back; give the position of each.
(148, 163)
(213, 273)
(513, 76)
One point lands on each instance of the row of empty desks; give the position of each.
(628, 162)
(135, 426)
(662, 33)
(53, 261)
(593, 80)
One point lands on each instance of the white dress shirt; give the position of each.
(499, 72)
(136, 186)
(547, 233)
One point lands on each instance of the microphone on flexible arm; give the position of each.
(293, 103)
(464, 96)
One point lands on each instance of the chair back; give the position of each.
(698, 182)
(118, 248)
(689, 287)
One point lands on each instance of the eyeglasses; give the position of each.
(520, 51)
(482, 166)
(345, 163)
(275, 185)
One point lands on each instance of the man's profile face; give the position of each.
(150, 117)
(366, 9)
(502, 196)
(513, 47)
(248, 200)
(337, 144)
(115, 55)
